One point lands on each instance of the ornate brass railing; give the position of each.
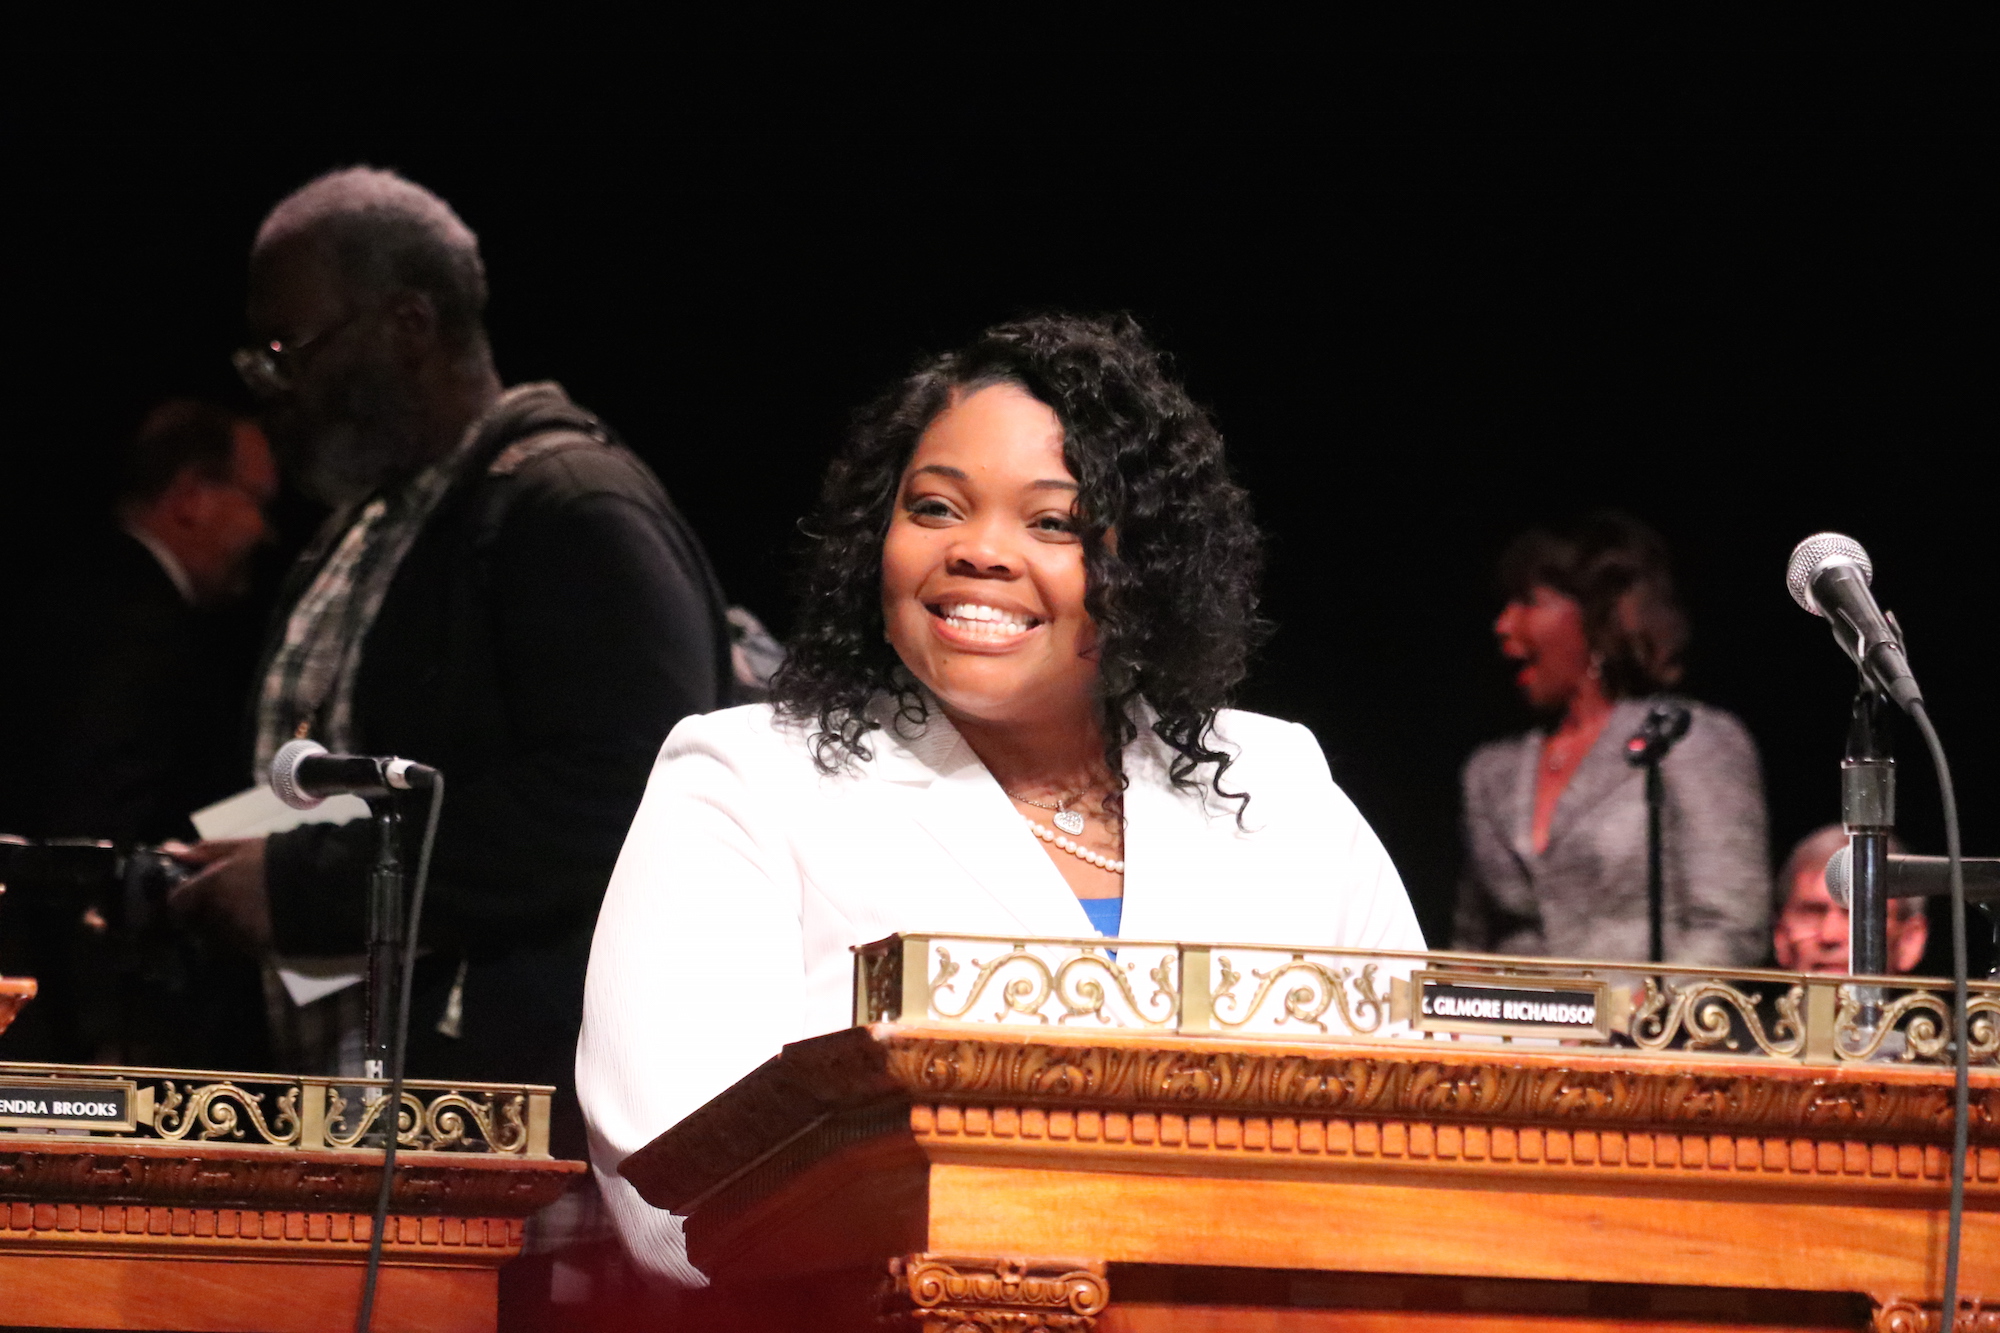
(1277, 993)
(272, 1110)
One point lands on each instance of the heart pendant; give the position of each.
(1070, 821)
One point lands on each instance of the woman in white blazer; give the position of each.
(1033, 588)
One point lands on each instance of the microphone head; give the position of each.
(285, 773)
(1840, 877)
(1815, 553)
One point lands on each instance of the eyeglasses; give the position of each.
(269, 370)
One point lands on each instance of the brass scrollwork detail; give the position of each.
(323, 1112)
(1710, 1013)
(213, 1108)
(514, 1119)
(1312, 994)
(1325, 988)
(1012, 994)
(409, 1117)
(947, 969)
(451, 1121)
(1227, 975)
(1077, 985)
(1923, 1019)
(1374, 1001)
(1089, 993)
(445, 1122)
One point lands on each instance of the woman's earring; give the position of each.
(1597, 666)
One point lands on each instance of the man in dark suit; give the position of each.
(503, 591)
(149, 730)
(143, 670)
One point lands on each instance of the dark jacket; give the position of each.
(136, 700)
(553, 621)
(140, 713)
(1585, 895)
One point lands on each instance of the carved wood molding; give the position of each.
(103, 1172)
(817, 1082)
(1151, 1139)
(1486, 1086)
(931, 1293)
(1902, 1315)
(139, 1229)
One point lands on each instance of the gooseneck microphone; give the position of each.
(1829, 575)
(1916, 877)
(303, 774)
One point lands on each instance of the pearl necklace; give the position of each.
(1076, 849)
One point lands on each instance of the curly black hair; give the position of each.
(1174, 597)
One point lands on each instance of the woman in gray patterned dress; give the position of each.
(1555, 819)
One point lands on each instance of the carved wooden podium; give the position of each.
(157, 1199)
(1231, 1138)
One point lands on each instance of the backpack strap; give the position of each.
(586, 432)
(543, 444)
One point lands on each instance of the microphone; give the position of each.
(1829, 575)
(1917, 877)
(303, 774)
(1664, 724)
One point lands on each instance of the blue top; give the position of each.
(1104, 914)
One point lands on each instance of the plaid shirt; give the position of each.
(308, 689)
(308, 683)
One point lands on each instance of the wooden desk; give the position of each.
(1040, 1177)
(234, 1222)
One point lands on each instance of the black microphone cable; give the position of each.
(1874, 641)
(1960, 1035)
(400, 1039)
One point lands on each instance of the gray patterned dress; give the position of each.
(1585, 896)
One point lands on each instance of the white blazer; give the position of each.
(748, 875)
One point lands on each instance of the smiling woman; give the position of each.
(1164, 536)
(983, 587)
(1031, 591)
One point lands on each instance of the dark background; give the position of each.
(1417, 342)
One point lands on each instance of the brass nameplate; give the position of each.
(1483, 1004)
(48, 1103)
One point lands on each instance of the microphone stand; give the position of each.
(385, 944)
(1664, 724)
(1868, 812)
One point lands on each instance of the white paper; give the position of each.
(309, 979)
(256, 812)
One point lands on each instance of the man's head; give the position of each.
(1810, 931)
(366, 300)
(197, 479)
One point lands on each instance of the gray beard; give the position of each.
(366, 440)
(343, 463)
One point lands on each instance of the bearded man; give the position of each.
(502, 591)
